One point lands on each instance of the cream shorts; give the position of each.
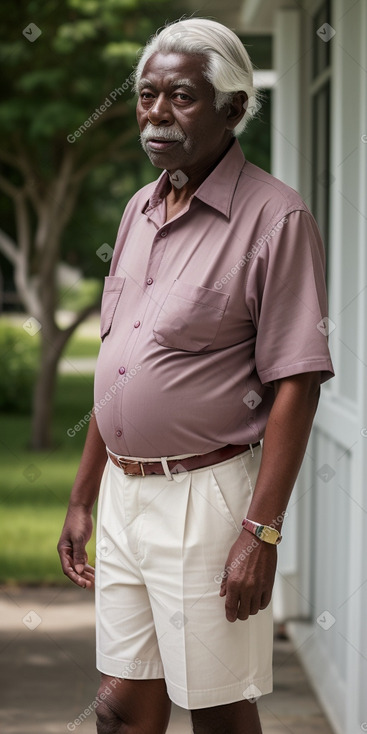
(161, 551)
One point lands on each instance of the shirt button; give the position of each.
(119, 433)
(137, 323)
(164, 233)
(122, 370)
(149, 281)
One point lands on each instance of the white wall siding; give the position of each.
(332, 511)
(286, 117)
(285, 165)
(328, 508)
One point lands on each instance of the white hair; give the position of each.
(228, 66)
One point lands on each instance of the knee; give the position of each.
(132, 707)
(107, 721)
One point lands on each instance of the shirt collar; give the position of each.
(218, 187)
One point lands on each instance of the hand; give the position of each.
(248, 582)
(75, 534)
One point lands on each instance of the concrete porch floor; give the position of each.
(48, 676)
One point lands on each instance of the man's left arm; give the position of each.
(248, 586)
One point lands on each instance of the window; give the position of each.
(322, 178)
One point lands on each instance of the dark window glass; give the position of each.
(322, 178)
(321, 49)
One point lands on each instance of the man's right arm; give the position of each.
(78, 524)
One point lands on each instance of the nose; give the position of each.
(160, 111)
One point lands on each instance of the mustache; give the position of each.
(162, 133)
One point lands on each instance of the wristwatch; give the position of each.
(264, 532)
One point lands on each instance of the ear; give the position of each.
(236, 109)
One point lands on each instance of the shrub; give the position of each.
(19, 361)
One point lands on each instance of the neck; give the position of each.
(195, 178)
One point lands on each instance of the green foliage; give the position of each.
(84, 51)
(80, 295)
(19, 362)
(255, 142)
(53, 85)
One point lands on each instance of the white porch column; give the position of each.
(285, 165)
(286, 108)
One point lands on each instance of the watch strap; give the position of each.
(263, 532)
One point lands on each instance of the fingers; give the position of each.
(265, 600)
(248, 606)
(248, 586)
(79, 555)
(85, 580)
(82, 576)
(240, 605)
(232, 602)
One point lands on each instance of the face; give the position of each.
(179, 125)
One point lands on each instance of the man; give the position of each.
(211, 341)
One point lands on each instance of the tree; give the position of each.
(67, 110)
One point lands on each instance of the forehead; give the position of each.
(170, 68)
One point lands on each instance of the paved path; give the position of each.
(48, 677)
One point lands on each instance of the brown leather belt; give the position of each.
(144, 468)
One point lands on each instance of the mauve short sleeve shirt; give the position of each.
(202, 313)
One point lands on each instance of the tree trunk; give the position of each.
(34, 255)
(41, 438)
(53, 342)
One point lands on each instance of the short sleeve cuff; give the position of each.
(324, 366)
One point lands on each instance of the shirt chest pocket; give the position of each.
(111, 295)
(190, 317)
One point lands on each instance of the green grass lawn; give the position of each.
(35, 487)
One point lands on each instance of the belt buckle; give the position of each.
(125, 463)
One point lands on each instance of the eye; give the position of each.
(183, 97)
(146, 95)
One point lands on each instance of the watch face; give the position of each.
(263, 532)
(270, 535)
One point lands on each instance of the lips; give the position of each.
(160, 143)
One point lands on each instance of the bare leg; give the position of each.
(132, 706)
(241, 717)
